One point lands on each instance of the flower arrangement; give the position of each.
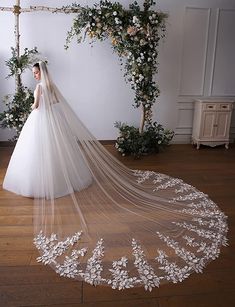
(17, 65)
(134, 35)
(151, 140)
(18, 109)
(18, 106)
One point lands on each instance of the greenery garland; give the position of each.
(134, 34)
(18, 106)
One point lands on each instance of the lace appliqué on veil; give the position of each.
(205, 236)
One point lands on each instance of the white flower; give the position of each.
(93, 24)
(135, 19)
(90, 14)
(115, 13)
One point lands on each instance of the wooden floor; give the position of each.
(23, 282)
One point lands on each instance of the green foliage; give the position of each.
(18, 106)
(18, 109)
(18, 65)
(134, 35)
(132, 142)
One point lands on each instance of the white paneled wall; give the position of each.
(207, 66)
(194, 51)
(222, 82)
(196, 60)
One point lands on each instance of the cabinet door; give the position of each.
(207, 125)
(222, 125)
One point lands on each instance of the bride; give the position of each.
(95, 219)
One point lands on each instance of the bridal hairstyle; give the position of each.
(99, 221)
(36, 65)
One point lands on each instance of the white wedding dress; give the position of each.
(23, 171)
(98, 221)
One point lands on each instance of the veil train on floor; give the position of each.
(98, 221)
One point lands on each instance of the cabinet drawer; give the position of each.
(209, 106)
(224, 106)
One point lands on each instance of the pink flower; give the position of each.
(132, 30)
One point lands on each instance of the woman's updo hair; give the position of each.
(37, 65)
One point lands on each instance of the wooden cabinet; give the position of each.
(211, 123)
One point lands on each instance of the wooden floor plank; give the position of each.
(40, 294)
(222, 299)
(152, 302)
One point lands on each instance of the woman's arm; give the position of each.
(37, 97)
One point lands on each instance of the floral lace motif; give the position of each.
(173, 272)
(94, 265)
(146, 272)
(51, 249)
(121, 279)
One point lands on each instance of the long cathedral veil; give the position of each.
(98, 221)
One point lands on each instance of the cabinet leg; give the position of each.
(198, 145)
(226, 145)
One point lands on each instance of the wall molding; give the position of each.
(215, 46)
(202, 89)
